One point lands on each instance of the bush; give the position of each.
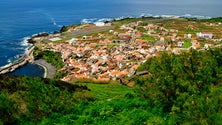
(51, 57)
(8, 109)
(25, 99)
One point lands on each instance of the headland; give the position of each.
(113, 50)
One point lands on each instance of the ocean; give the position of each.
(21, 19)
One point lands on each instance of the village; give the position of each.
(117, 52)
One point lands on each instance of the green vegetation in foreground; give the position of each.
(186, 87)
(25, 100)
(179, 89)
(127, 110)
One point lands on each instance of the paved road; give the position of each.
(50, 69)
(85, 32)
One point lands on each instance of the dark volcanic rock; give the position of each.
(31, 39)
(43, 34)
(56, 32)
(64, 29)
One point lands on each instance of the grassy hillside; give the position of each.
(29, 100)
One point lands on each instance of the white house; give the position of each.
(99, 23)
(189, 36)
(84, 37)
(72, 41)
(180, 44)
(205, 35)
(111, 31)
(207, 46)
(152, 50)
(55, 39)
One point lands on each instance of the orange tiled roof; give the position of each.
(194, 40)
(140, 41)
(196, 46)
(135, 67)
(114, 72)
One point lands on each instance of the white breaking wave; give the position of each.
(17, 56)
(9, 63)
(89, 21)
(145, 15)
(120, 18)
(24, 42)
(169, 16)
(104, 19)
(9, 60)
(95, 20)
(23, 46)
(187, 15)
(54, 23)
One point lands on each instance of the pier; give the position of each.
(28, 56)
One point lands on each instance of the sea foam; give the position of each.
(95, 20)
(24, 42)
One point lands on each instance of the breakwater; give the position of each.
(28, 56)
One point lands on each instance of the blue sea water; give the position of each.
(22, 18)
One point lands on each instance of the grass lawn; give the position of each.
(187, 43)
(108, 91)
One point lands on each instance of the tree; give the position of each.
(186, 85)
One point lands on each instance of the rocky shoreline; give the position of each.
(49, 70)
(28, 56)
